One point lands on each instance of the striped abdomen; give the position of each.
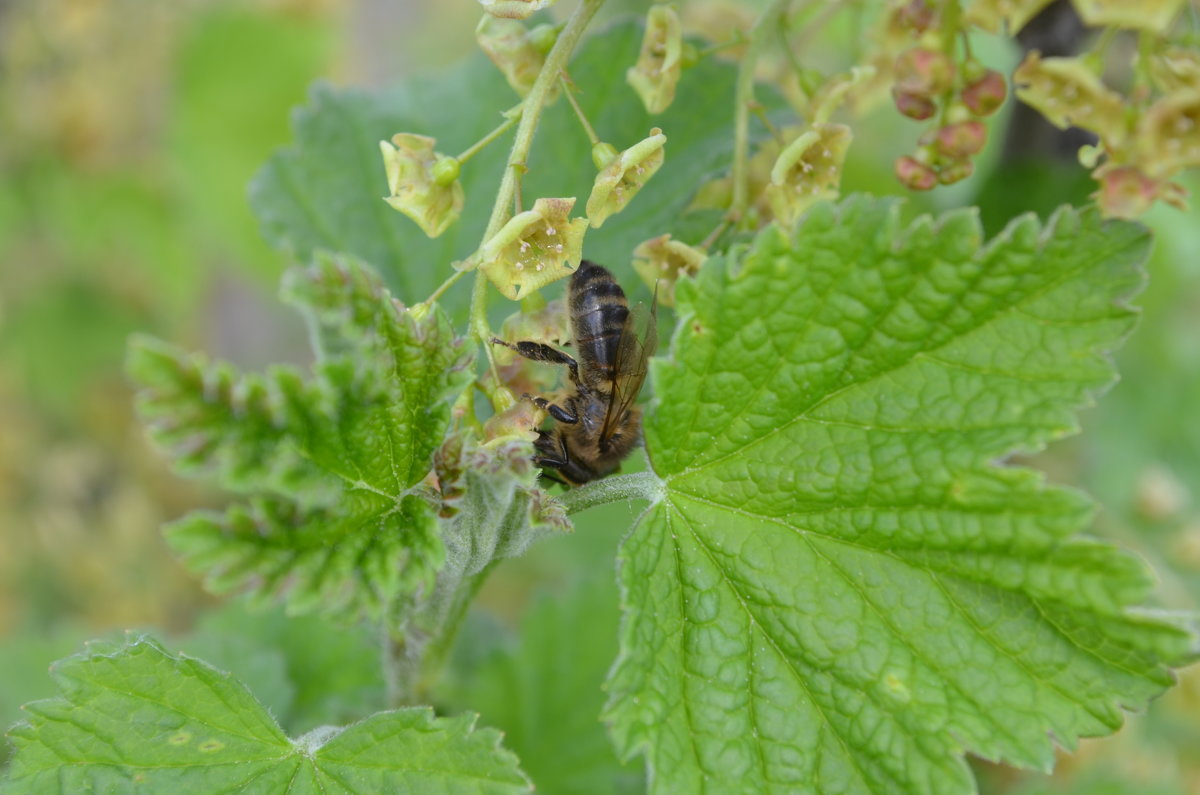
(598, 310)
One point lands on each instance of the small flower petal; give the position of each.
(534, 248)
(1168, 134)
(660, 261)
(1154, 15)
(808, 170)
(417, 181)
(620, 180)
(1068, 93)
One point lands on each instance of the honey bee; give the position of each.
(597, 425)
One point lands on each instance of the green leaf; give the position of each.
(842, 588)
(545, 692)
(338, 518)
(330, 671)
(135, 716)
(326, 192)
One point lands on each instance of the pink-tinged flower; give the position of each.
(660, 261)
(659, 63)
(955, 171)
(914, 174)
(1168, 134)
(423, 183)
(984, 96)
(1068, 93)
(808, 170)
(518, 52)
(961, 140)
(624, 175)
(534, 248)
(914, 106)
(1153, 15)
(923, 71)
(514, 9)
(1126, 192)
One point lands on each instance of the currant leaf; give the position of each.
(844, 588)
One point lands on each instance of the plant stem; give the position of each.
(446, 285)
(511, 117)
(638, 486)
(587, 126)
(767, 24)
(535, 101)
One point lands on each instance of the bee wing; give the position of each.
(639, 338)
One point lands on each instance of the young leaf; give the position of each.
(134, 716)
(323, 193)
(338, 518)
(842, 590)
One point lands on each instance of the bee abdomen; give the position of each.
(598, 312)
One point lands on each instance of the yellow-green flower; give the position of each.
(1153, 15)
(660, 261)
(1068, 93)
(624, 176)
(514, 9)
(1168, 134)
(423, 184)
(659, 64)
(517, 51)
(808, 170)
(992, 14)
(534, 248)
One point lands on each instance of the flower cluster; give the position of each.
(1143, 141)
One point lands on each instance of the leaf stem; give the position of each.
(638, 486)
(767, 25)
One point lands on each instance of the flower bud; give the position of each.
(658, 66)
(1125, 192)
(985, 95)
(624, 175)
(914, 106)
(958, 141)
(534, 248)
(917, 16)
(914, 174)
(660, 261)
(514, 9)
(415, 177)
(955, 171)
(924, 71)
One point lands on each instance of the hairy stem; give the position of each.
(638, 486)
(771, 20)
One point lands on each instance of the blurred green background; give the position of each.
(128, 133)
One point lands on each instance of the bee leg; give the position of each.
(555, 411)
(540, 352)
(549, 455)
